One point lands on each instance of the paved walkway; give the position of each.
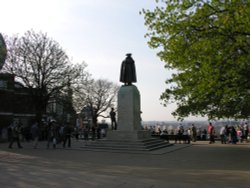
(200, 165)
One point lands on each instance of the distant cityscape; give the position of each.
(170, 125)
(195, 122)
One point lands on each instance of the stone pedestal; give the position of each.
(129, 116)
(129, 109)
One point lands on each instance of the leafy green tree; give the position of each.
(39, 63)
(207, 44)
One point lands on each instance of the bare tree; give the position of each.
(98, 95)
(42, 65)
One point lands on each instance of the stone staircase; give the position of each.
(145, 145)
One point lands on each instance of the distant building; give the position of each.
(15, 101)
(16, 104)
(61, 109)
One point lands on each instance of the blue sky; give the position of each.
(100, 33)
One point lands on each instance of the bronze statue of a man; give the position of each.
(3, 51)
(128, 73)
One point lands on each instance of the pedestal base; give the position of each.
(129, 135)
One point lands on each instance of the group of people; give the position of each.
(179, 135)
(52, 132)
(55, 133)
(234, 134)
(186, 135)
(228, 134)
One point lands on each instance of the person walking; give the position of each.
(15, 134)
(233, 134)
(93, 131)
(211, 133)
(67, 131)
(223, 135)
(35, 134)
(194, 133)
(245, 131)
(52, 135)
(180, 133)
(98, 132)
(86, 130)
(76, 132)
(61, 135)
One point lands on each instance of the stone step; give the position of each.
(128, 142)
(126, 145)
(142, 145)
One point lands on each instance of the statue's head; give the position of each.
(3, 51)
(128, 54)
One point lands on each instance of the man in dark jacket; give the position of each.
(67, 131)
(112, 115)
(15, 133)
